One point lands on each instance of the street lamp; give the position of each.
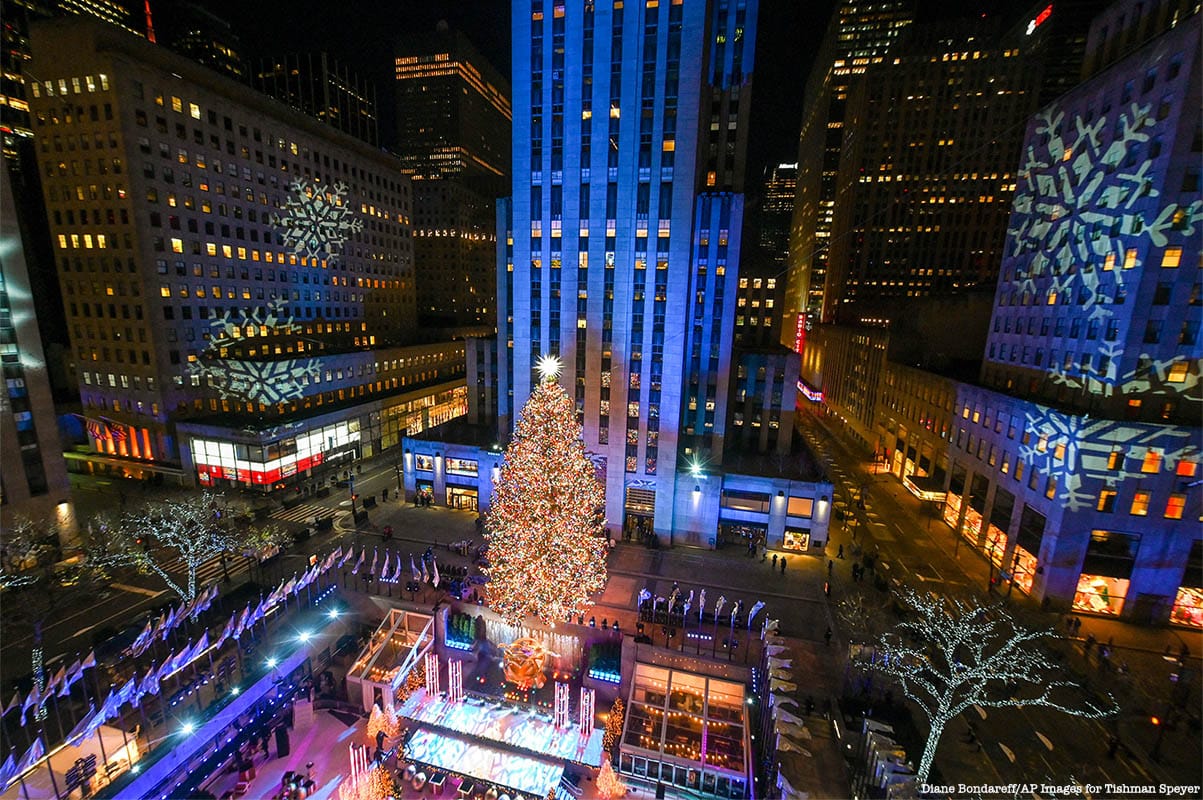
(351, 489)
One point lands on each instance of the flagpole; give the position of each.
(50, 769)
(58, 717)
(100, 739)
(24, 788)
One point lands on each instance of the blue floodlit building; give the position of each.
(619, 253)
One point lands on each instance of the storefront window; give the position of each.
(1099, 594)
(952, 509)
(424, 463)
(800, 506)
(1188, 608)
(1025, 569)
(745, 501)
(796, 539)
(996, 545)
(461, 466)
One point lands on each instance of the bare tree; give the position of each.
(951, 655)
(191, 530)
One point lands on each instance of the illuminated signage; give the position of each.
(1040, 19)
(809, 393)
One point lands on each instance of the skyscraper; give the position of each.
(238, 276)
(194, 31)
(453, 111)
(317, 85)
(860, 34)
(33, 476)
(777, 211)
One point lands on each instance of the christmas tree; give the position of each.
(546, 551)
(608, 783)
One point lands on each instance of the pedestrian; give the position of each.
(774, 561)
(1112, 745)
(841, 553)
(827, 636)
(1089, 643)
(830, 567)
(783, 565)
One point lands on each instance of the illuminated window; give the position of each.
(1187, 468)
(1106, 502)
(1059, 452)
(1177, 372)
(1152, 461)
(1115, 460)
(1050, 488)
(1130, 258)
(1171, 257)
(1109, 262)
(1175, 506)
(1140, 504)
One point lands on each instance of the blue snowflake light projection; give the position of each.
(317, 222)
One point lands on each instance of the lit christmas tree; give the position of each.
(608, 784)
(546, 551)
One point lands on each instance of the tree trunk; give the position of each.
(929, 749)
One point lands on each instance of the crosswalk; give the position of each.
(303, 513)
(211, 571)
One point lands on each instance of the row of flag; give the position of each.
(166, 623)
(60, 683)
(104, 428)
(391, 571)
(135, 688)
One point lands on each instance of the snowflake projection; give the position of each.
(1069, 448)
(253, 380)
(1081, 208)
(317, 222)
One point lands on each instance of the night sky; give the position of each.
(362, 34)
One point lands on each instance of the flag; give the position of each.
(78, 731)
(128, 693)
(74, 672)
(291, 586)
(143, 639)
(32, 755)
(425, 574)
(413, 567)
(242, 621)
(90, 661)
(201, 647)
(96, 428)
(759, 604)
(701, 605)
(331, 559)
(14, 703)
(434, 577)
(359, 563)
(33, 699)
(150, 682)
(346, 556)
(375, 557)
(116, 429)
(384, 573)
(8, 771)
(54, 683)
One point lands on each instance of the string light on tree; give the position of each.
(545, 529)
(954, 655)
(609, 785)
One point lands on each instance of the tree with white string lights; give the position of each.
(547, 552)
(952, 655)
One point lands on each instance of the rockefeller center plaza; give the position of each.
(575, 399)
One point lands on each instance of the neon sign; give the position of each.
(809, 393)
(1040, 19)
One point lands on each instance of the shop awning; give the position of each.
(927, 488)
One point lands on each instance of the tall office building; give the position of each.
(453, 111)
(317, 85)
(33, 476)
(455, 253)
(777, 211)
(860, 34)
(926, 169)
(238, 276)
(194, 31)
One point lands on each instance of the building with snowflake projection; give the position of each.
(1074, 466)
(238, 277)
